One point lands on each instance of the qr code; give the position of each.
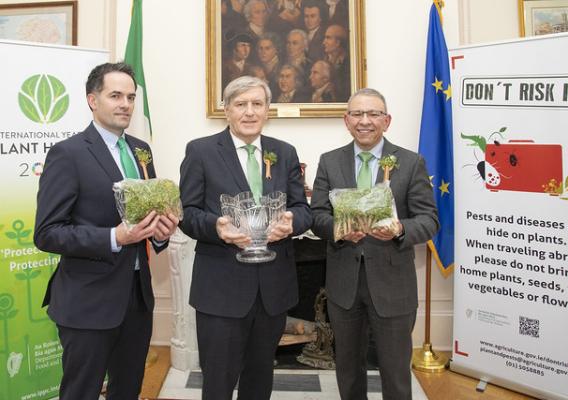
(529, 326)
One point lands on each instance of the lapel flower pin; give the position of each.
(388, 163)
(144, 159)
(270, 158)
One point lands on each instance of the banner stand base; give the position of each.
(425, 360)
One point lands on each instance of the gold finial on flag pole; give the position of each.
(439, 5)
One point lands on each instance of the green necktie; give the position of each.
(365, 177)
(128, 166)
(253, 173)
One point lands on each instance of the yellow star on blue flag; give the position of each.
(448, 92)
(444, 188)
(436, 140)
(437, 84)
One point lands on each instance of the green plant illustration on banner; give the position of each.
(43, 98)
(29, 345)
(6, 313)
(27, 276)
(19, 233)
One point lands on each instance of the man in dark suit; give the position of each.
(291, 86)
(100, 295)
(314, 23)
(241, 308)
(337, 12)
(335, 47)
(256, 13)
(268, 50)
(238, 63)
(371, 279)
(323, 89)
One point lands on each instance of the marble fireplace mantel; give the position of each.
(184, 353)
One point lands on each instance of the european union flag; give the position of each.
(436, 139)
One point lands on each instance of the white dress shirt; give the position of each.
(242, 153)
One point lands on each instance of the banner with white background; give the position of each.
(42, 101)
(510, 118)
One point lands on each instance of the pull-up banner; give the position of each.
(42, 101)
(510, 115)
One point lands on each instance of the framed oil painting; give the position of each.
(543, 17)
(311, 53)
(52, 22)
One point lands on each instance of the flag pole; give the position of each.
(133, 56)
(425, 359)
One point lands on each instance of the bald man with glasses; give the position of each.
(371, 278)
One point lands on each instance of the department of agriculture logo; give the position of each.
(43, 99)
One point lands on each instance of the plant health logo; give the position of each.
(43, 99)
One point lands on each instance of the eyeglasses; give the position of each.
(371, 114)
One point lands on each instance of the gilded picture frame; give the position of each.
(543, 17)
(51, 22)
(341, 60)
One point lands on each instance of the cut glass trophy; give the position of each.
(254, 220)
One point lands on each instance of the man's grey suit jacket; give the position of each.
(391, 274)
(220, 284)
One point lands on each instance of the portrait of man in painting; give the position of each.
(280, 40)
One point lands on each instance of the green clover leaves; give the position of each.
(43, 99)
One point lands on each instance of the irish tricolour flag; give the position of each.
(140, 125)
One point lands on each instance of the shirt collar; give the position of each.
(240, 64)
(256, 29)
(108, 137)
(238, 142)
(377, 151)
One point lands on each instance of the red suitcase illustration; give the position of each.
(523, 166)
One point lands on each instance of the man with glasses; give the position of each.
(241, 308)
(371, 278)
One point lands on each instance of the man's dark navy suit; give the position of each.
(94, 293)
(220, 285)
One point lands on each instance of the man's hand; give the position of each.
(283, 228)
(354, 236)
(386, 233)
(166, 227)
(229, 234)
(142, 230)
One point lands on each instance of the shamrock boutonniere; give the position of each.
(270, 158)
(144, 159)
(388, 163)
